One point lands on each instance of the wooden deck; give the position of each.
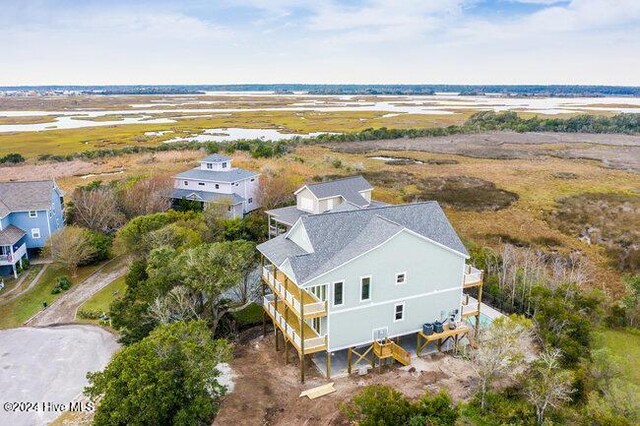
(441, 338)
(289, 324)
(296, 298)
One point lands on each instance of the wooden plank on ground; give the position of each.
(319, 391)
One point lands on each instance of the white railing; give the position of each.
(17, 255)
(471, 275)
(309, 308)
(288, 329)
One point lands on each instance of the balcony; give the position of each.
(470, 306)
(290, 326)
(472, 276)
(294, 296)
(9, 259)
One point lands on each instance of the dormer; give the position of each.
(216, 162)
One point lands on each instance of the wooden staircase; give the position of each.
(390, 349)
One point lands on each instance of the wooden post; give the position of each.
(275, 329)
(286, 352)
(479, 303)
(349, 360)
(302, 343)
(328, 365)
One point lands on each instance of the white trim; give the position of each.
(333, 293)
(437, 243)
(34, 231)
(400, 299)
(404, 281)
(34, 215)
(395, 306)
(370, 281)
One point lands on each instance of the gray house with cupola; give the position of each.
(215, 180)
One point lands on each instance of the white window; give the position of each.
(330, 204)
(338, 293)
(209, 166)
(306, 204)
(186, 183)
(250, 200)
(401, 278)
(365, 288)
(217, 186)
(224, 165)
(201, 183)
(33, 213)
(35, 233)
(320, 291)
(398, 312)
(252, 179)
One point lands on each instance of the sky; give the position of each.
(320, 41)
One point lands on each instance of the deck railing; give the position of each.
(471, 275)
(17, 255)
(309, 343)
(314, 308)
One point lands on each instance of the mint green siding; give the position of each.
(432, 288)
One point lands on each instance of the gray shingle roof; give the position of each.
(215, 158)
(232, 175)
(10, 235)
(337, 237)
(287, 215)
(25, 195)
(209, 197)
(349, 188)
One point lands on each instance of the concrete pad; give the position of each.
(45, 366)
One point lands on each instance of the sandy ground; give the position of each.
(48, 365)
(612, 150)
(267, 391)
(63, 310)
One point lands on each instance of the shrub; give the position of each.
(378, 405)
(12, 158)
(62, 283)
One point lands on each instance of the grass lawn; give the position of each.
(625, 345)
(250, 315)
(16, 312)
(100, 301)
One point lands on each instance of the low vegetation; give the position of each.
(462, 193)
(612, 220)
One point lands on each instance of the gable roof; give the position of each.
(11, 235)
(349, 188)
(25, 196)
(337, 237)
(215, 158)
(231, 175)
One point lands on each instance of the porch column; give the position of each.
(15, 272)
(302, 342)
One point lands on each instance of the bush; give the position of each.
(62, 283)
(90, 315)
(12, 158)
(378, 405)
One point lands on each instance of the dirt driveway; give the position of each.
(266, 391)
(63, 310)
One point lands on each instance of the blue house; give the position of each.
(30, 212)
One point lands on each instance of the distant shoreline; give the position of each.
(337, 89)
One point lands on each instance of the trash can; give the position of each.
(427, 329)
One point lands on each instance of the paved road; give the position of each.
(44, 365)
